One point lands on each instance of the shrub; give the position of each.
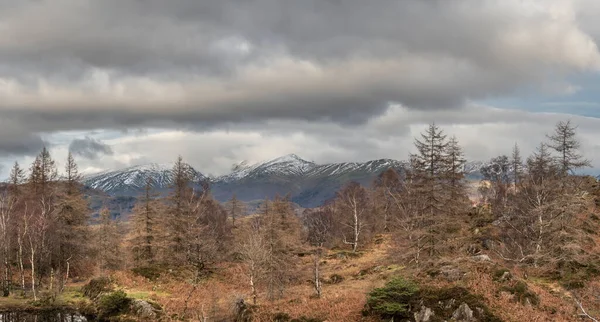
(281, 317)
(97, 287)
(151, 272)
(501, 275)
(112, 304)
(522, 293)
(393, 300)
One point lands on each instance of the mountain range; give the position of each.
(308, 184)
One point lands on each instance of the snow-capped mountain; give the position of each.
(132, 180)
(307, 183)
(288, 165)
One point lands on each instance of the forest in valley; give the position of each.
(413, 246)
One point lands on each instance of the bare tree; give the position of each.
(565, 143)
(353, 213)
(320, 225)
(236, 209)
(254, 250)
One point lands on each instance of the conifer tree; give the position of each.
(516, 165)
(565, 143)
(16, 178)
(108, 242)
(541, 165)
(145, 223)
(71, 229)
(235, 208)
(179, 212)
(72, 175)
(455, 176)
(428, 167)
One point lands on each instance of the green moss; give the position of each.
(113, 304)
(400, 299)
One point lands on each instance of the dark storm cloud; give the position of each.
(89, 148)
(27, 144)
(72, 64)
(17, 141)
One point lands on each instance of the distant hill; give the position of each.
(307, 183)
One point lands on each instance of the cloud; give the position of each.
(483, 131)
(89, 148)
(203, 64)
(17, 141)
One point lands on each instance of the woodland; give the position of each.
(422, 244)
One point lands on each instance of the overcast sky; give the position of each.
(127, 82)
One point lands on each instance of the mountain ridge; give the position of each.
(307, 183)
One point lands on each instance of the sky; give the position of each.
(128, 82)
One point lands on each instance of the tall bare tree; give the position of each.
(352, 212)
(565, 143)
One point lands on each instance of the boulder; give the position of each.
(451, 273)
(144, 310)
(424, 315)
(463, 314)
(481, 258)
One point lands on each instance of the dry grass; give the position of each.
(215, 296)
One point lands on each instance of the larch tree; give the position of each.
(428, 167)
(70, 225)
(565, 144)
(145, 227)
(457, 199)
(179, 212)
(516, 162)
(236, 209)
(108, 241)
(16, 179)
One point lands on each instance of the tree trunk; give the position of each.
(66, 275)
(7, 277)
(317, 272)
(253, 287)
(21, 268)
(356, 229)
(33, 274)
